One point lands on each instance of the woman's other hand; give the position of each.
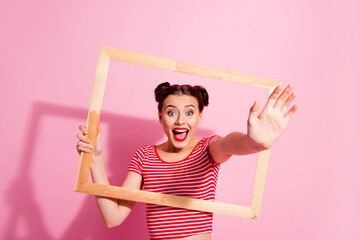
(84, 145)
(265, 128)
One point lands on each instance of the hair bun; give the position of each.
(204, 94)
(160, 89)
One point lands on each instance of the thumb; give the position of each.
(99, 128)
(253, 112)
(98, 135)
(97, 146)
(255, 108)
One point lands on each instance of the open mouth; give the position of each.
(180, 134)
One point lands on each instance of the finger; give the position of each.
(291, 112)
(83, 129)
(84, 145)
(272, 98)
(288, 102)
(254, 110)
(284, 95)
(82, 149)
(81, 137)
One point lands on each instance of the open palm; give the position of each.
(265, 128)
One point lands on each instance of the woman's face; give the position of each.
(180, 118)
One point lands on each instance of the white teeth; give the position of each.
(180, 131)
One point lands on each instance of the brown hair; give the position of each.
(165, 89)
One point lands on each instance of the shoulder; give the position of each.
(205, 142)
(210, 139)
(143, 151)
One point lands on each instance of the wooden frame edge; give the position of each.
(82, 185)
(165, 199)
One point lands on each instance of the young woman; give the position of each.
(184, 165)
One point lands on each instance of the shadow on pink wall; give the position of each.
(22, 202)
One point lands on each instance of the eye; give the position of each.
(189, 113)
(171, 113)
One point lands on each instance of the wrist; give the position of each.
(97, 169)
(97, 160)
(257, 147)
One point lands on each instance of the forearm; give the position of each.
(238, 143)
(109, 208)
(98, 173)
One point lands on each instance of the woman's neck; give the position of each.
(168, 147)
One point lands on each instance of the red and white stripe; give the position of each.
(195, 177)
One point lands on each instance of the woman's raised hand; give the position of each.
(265, 128)
(83, 144)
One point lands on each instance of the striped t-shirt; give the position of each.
(195, 177)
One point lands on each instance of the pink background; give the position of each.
(49, 53)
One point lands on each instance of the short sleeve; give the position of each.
(136, 163)
(212, 138)
(208, 142)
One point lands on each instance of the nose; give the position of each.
(180, 119)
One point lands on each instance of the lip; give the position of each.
(180, 129)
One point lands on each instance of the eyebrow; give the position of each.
(189, 105)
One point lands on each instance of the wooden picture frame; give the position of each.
(82, 184)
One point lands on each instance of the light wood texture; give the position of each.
(166, 199)
(93, 115)
(189, 68)
(82, 184)
(259, 182)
